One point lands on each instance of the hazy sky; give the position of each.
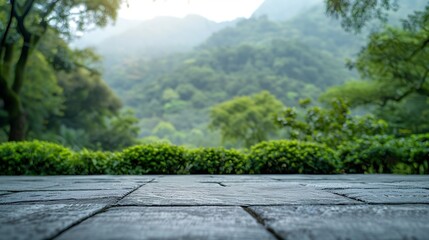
(216, 10)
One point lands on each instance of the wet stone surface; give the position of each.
(170, 223)
(387, 195)
(348, 222)
(41, 221)
(215, 207)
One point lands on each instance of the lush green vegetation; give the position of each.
(282, 58)
(276, 93)
(381, 154)
(51, 92)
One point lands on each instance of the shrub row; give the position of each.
(385, 154)
(378, 154)
(42, 158)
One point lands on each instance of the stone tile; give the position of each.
(190, 193)
(341, 185)
(387, 195)
(405, 184)
(25, 185)
(348, 222)
(38, 221)
(169, 223)
(31, 183)
(36, 196)
(94, 186)
(365, 178)
(238, 178)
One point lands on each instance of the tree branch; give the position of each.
(6, 32)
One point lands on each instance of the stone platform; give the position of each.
(215, 207)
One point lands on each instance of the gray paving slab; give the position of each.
(341, 185)
(93, 186)
(406, 184)
(367, 178)
(210, 207)
(4, 192)
(387, 195)
(170, 223)
(31, 183)
(194, 193)
(347, 222)
(39, 221)
(40, 196)
(25, 185)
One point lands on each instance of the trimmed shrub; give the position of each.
(415, 154)
(285, 156)
(420, 137)
(376, 154)
(34, 158)
(216, 161)
(419, 159)
(160, 158)
(88, 162)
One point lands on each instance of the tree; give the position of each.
(26, 23)
(332, 126)
(393, 65)
(355, 14)
(247, 119)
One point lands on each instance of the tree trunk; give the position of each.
(16, 116)
(17, 125)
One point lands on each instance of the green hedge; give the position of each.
(156, 158)
(377, 154)
(34, 158)
(285, 156)
(88, 162)
(385, 154)
(216, 161)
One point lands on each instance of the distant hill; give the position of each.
(280, 10)
(95, 37)
(159, 37)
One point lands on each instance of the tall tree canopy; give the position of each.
(23, 23)
(393, 65)
(247, 119)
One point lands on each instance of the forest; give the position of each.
(347, 76)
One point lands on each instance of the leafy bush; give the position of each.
(285, 156)
(34, 158)
(415, 154)
(385, 154)
(88, 162)
(377, 154)
(216, 161)
(419, 159)
(158, 158)
(420, 138)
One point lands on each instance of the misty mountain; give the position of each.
(280, 10)
(159, 37)
(312, 27)
(93, 38)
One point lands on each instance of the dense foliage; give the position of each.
(331, 125)
(283, 156)
(247, 119)
(49, 91)
(34, 158)
(385, 154)
(242, 87)
(394, 77)
(294, 59)
(216, 161)
(380, 154)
